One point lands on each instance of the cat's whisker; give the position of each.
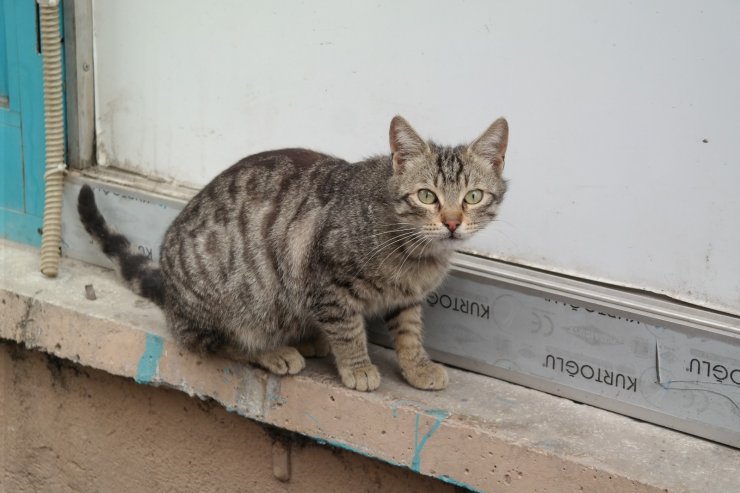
(384, 245)
(397, 237)
(398, 227)
(390, 232)
(399, 247)
(421, 253)
(417, 242)
(503, 221)
(409, 251)
(395, 224)
(423, 249)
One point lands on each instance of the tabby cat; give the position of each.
(284, 254)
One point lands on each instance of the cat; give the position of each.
(285, 253)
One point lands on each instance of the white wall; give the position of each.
(608, 103)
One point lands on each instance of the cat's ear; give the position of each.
(491, 145)
(405, 143)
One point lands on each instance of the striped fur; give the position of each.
(140, 274)
(290, 250)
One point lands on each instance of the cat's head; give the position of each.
(446, 194)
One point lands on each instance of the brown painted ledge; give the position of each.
(480, 433)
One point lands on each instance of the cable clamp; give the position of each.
(59, 168)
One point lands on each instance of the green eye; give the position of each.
(473, 196)
(426, 196)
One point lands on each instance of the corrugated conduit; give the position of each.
(51, 50)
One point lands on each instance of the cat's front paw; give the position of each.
(281, 361)
(365, 378)
(426, 376)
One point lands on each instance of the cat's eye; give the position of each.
(473, 196)
(426, 196)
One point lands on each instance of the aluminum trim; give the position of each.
(605, 403)
(645, 306)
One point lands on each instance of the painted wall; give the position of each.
(624, 155)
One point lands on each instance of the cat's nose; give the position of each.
(452, 224)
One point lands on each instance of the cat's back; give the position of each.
(262, 178)
(244, 204)
(266, 175)
(254, 229)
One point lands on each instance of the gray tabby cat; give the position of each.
(283, 255)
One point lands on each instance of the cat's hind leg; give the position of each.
(195, 336)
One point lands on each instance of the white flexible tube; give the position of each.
(51, 50)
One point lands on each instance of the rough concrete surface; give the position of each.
(480, 433)
(66, 427)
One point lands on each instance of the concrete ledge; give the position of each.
(481, 433)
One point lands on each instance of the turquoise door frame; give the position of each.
(22, 145)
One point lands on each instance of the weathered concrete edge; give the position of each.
(345, 419)
(248, 391)
(392, 424)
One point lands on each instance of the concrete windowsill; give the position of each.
(481, 433)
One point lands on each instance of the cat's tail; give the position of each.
(141, 274)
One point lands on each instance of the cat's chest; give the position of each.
(412, 284)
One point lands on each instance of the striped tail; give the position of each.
(141, 274)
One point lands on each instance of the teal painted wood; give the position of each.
(10, 118)
(3, 56)
(12, 191)
(10, 31)
(23, 150)
(20, 227)
(31, 79)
